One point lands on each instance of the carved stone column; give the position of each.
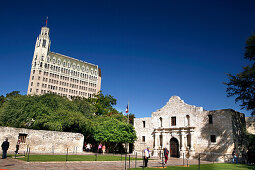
(182, 137)
(163, 139)
(191, 150)
(156, 144)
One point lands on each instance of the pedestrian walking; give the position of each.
(166, 152)
(5, 147)
(146, 156)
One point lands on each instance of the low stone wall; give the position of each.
(42, 141)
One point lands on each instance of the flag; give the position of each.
(46, 21)
(127, 108)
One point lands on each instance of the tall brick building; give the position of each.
(59, 74)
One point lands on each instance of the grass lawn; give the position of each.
(209, 167)
(48, 158)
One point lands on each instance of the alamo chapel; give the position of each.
(187, 130)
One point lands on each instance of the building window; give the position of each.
(30, 89)
(44, 43)
(160, 140)
(173, 121)
(188, 120)
(210, 119)
(22, 137)
(143, 124)
(31, 83)
(33, 71)
(143, 138)
(213, 138)
(160, 119)
(32, 77)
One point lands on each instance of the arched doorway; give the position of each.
(174, 148)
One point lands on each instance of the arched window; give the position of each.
(160, 119)
(188, 120)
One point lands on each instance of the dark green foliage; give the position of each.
(242, 85)
(92, 117)
(48, 112)
(12, 94)
(251, 139)
(104, 104)
(250, 48)
(2, 99)
(113, 131)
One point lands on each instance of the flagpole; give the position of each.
(46, 21)
(128, 113)
(127, 123)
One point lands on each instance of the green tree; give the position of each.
(103, 104)
(53, 112)
(2, 99)
(242, 85)
(114, 131)
(13, 94)
(48, 112)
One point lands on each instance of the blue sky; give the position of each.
(148, 50)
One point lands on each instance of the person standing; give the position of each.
(5, 147)
(99, 148)
(166, 152)
(88, 147)
(17, 147)
(103, 148)
(235, 159)
(146, 156)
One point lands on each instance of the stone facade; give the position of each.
(59, 74)
(250, 125)
(187, 130)
(42, 141)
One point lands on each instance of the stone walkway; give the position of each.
(15, 164)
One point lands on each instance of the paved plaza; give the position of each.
(15, 164)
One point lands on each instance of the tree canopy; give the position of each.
(242, 85)
(95, 118)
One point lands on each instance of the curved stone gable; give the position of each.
(176, 105)
(191, 129)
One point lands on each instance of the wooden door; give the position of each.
(174, 148)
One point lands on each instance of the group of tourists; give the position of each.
(101, 148)
(93, 148)
(5, 146)
(147, 156)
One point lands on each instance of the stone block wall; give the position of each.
(193, 131)
(42, 141)
(221, 127)
(250, 125)
(143, 131)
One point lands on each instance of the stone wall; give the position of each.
(42, 141)
(192, 131)
(143, 131)
(250, 125)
